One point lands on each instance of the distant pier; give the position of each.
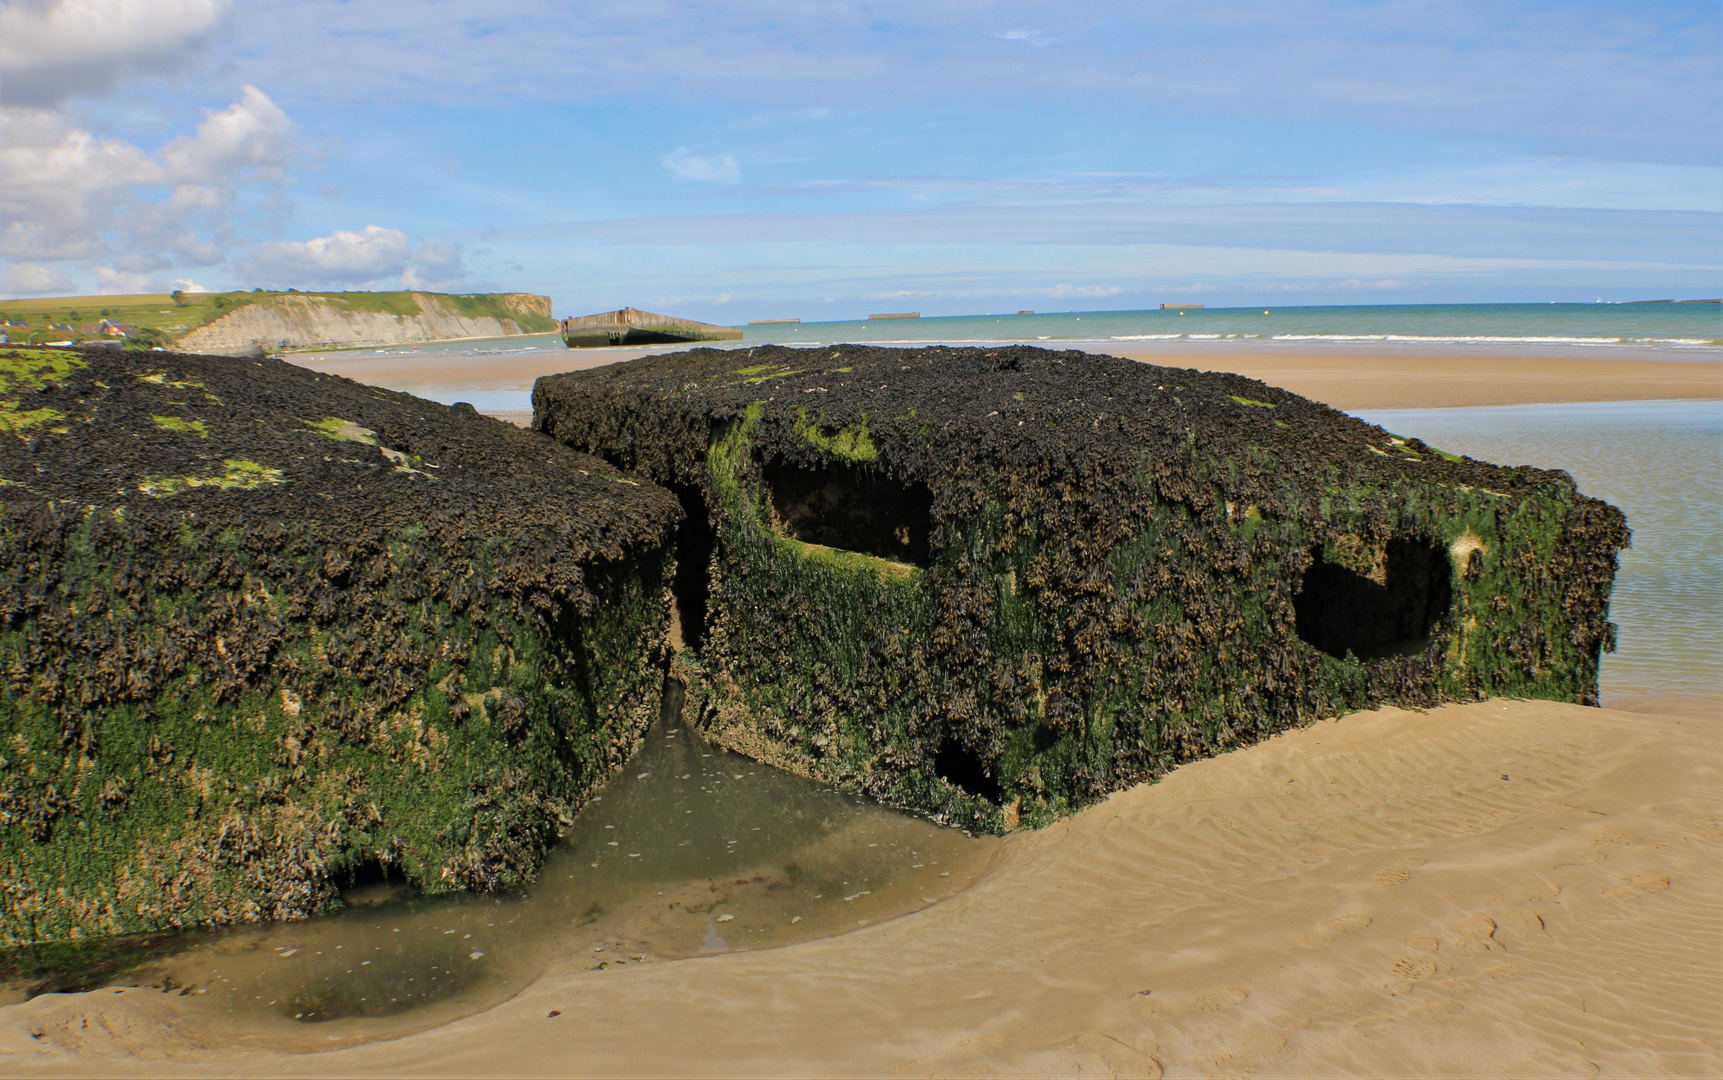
(631, 326)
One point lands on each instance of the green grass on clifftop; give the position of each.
(174, 316)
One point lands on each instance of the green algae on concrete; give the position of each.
(242, 671)
(1106, 568)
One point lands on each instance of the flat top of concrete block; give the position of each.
(149, 432)
(933, 410)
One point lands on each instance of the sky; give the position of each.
(745, 159)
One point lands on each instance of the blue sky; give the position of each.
(749, 159)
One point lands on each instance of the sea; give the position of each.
(1675, 327)
(1689, 330)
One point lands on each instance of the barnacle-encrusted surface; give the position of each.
(261, 629)
(998, 583)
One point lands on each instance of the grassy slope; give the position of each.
(159, 311)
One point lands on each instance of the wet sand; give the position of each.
(1498, 889)
(1412, 378)
(1502, 888)
(1403, 377)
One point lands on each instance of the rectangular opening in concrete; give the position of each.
(1390, 611)
(841, 506)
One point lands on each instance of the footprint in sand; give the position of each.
(1413, 968)
(1490, 822)
(1224, 997)
(1399, 872)
(1529, 894)
(1257, 1053)
(1599, 847)
(1554, 1064)
(1478, 934)
(1324, 935)
(1120, 1059)
(1526, 923)
(1498, 973)
(1417, 1014)
(1632, 888)
(1092, 1054)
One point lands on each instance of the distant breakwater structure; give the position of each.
(993, 585)
(269, 633)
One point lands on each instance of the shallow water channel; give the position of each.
(690, 850)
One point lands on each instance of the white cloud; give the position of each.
(186, 285)
(1028, 37)
(1062, 291)
(713, 169)
(61, 188)
(68, 194)
(114, 282)
(34, 279)
(53, 49)
(437, 266)
(348, 258)
(251, 137)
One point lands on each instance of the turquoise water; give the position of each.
(1662, 463)
(1676, 328)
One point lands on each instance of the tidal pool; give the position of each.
(690, 850)
(1662, 463)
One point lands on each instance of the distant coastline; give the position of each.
(260, 321)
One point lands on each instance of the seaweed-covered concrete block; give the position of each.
(263, 631)
(995, 584)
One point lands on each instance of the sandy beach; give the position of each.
(1496, 889)
(1401, 377)
(1414, 378)
(1503, 888)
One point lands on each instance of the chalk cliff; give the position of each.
(310, 320)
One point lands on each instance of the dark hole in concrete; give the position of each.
(1339, 610)
(375, 882)
(840, 506)
(962, 769)
(693, 565)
